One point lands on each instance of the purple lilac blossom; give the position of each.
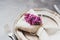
(33, 19)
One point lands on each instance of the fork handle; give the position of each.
(13, 37)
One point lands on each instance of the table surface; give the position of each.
(9, 9)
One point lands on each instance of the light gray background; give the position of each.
(10, 8)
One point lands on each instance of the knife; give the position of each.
(56, 8)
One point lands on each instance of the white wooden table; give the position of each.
(10, 8)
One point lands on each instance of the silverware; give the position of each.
(56, 8)
(10, 34)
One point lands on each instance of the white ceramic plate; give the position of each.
(50, 18)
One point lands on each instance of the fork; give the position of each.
(10, 33)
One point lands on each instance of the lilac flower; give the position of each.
(33, 19)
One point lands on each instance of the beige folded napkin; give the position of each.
(23, 25)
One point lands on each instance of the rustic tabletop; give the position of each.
(10, 8)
